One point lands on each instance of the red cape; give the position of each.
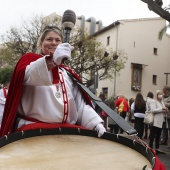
(15, 92)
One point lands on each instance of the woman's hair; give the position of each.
(139, 101)
(131, 100)
(166, 88)
(150, 94)
(45, 31)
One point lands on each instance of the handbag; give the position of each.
(149, 117)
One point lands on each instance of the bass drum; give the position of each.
(72, 149)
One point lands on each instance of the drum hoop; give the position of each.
(135, 145)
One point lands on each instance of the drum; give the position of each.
(72, 149)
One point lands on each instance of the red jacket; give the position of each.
(125, 104)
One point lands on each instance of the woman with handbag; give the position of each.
(159, 111)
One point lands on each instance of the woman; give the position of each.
(159, 111)
(3, 96)
(138, 108)
(149, 100)
(42, 93)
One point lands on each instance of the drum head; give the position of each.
(69, 152)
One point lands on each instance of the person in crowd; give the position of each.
(149, 98)
(114, 128)
(138, 108)
(3, 96)
(166, 124)
(41, 93)
(131, 117)
(97, 108)
(122, 107)
(101, 112)
(159, 111)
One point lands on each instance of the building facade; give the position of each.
(148, 58)
(147, 67)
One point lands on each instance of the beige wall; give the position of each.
(137, 38)
(144, 34)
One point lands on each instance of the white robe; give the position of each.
(2, 104)
(39, 101)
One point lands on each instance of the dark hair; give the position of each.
(131, 100)
(166, 88)
(150, 94)
(139, 101)
(102, 96)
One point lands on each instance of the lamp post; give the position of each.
(115, 57)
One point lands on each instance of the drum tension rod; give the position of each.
(117, 136)
(142, 142)
(78, 130)
(6, 137)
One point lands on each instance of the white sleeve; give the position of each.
(156, 107)
(2, 97)
(37, 74)
(87, 116)
(133, 107)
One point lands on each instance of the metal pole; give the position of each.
(114, 89)
(114, 92)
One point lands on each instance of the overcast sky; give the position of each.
(12, 12)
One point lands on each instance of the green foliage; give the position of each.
(5, 74)
(21, 40)
(90, 57)
(163, 31)
(111, 102)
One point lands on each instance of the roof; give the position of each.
(116, 23)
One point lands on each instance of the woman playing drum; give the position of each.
(42, 93)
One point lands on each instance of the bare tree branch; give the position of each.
(155, 7)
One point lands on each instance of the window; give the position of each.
(155, 51)
(105, 91)
(108, 40)
(154, 79)
(136, 77)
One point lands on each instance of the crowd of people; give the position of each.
(134, 109)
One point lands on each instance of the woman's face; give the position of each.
(50, 42)
(159, 96)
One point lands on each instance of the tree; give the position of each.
(89, 56)
(163, 31)
(5, 74)
(18, 41)
(156, 6)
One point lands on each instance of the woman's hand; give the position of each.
(100, 129)
(62, 51)
(165, 109)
